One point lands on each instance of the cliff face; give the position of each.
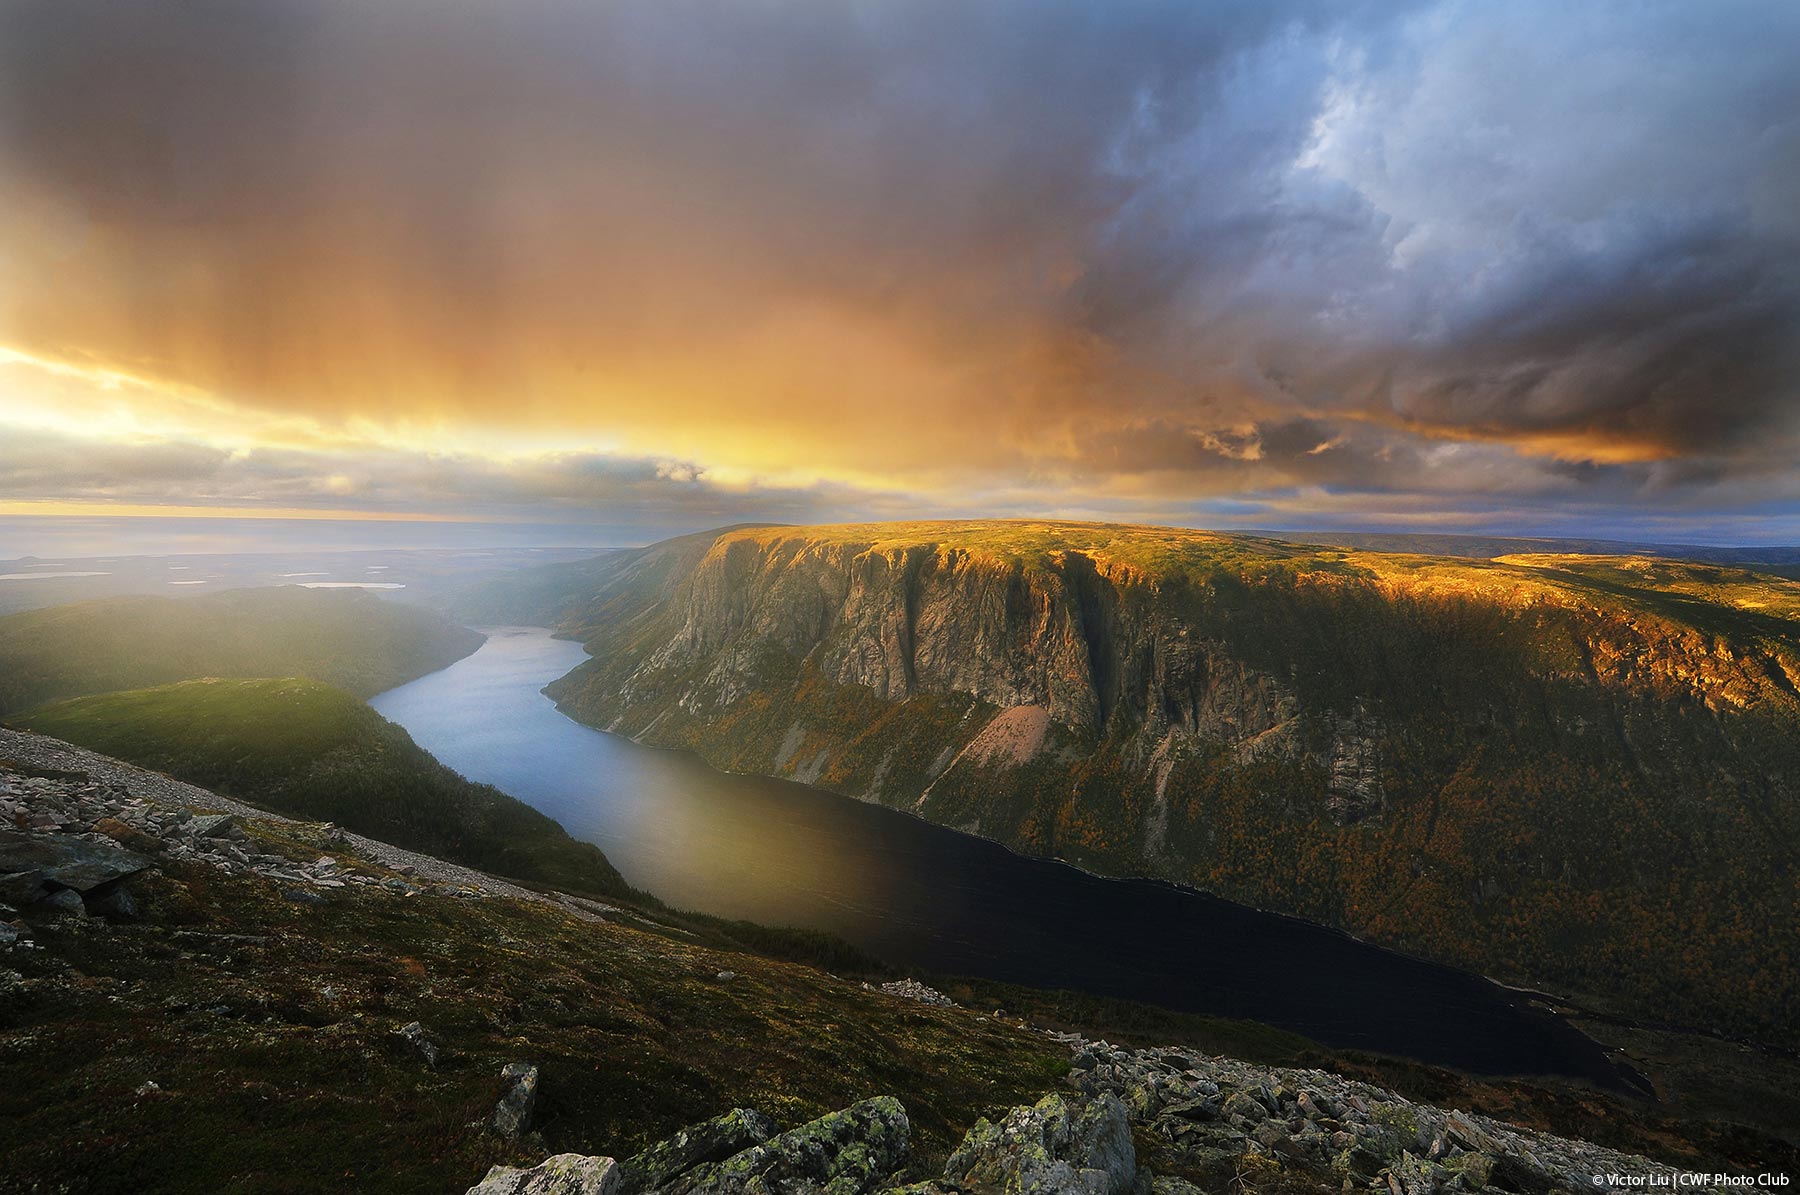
(1085, 641)
(1460, 758)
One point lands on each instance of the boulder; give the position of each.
(413, 1034)
(79, 863)
(126, 835)
(211, 825)
(1413, 1175)
(697, 1145)
(1056, 1146)
(64, 902)
(564, 1174)
(1168, 1184)
(20, 888)
(113, 901)
(1245, 1108)
(512, 1115)
(851, 1152)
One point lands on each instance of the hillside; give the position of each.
(216, 1004)
(1570, 772)
(315, 752)
(348, 638)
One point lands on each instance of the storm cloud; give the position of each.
(1444, 255)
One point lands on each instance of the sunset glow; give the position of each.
(1229, 269)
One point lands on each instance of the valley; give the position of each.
(1568, 772)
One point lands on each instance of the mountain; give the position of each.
(311, 751)
(201, 1001)
(1567, 771)
(348, 638)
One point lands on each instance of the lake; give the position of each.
(923, 897)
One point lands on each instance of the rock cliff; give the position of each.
(1454, 757)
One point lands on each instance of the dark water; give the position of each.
(918, 895)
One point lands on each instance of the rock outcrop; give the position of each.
(564, 1174)
(1057, 1145)
(1218, 1115)
(1221, 1124)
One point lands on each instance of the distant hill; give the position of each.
(1779, 561)
(312, 751)
(1570, 771)
(347, 638)
(547, 595)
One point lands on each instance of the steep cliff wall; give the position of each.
(1527, 765)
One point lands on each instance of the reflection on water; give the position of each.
(922, 896)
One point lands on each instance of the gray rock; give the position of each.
(512, 1115)
(1168, 1184)
(116, 901)
(712, 1140)
(21, 888)
(78, 863)
(413, 1034)
(1237, 1104)
(1056, 1146)
(851, 1152)
(564, 1174)
(64, 902)
(211, 825)
(301, 896)
(1413, 1175)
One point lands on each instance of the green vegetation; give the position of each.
(311, 751)
(1565, 771)
(347, 638)
(268, 1028)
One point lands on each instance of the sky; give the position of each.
(654, 265)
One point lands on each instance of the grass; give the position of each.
(312, 751)
(266, 1026)
(268, 1029)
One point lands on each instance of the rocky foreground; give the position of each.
(87, 840)
(1241, 1124)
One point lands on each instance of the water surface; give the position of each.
(921, 896)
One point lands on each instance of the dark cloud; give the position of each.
(1264, 247)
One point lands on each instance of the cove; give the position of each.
(921, 896)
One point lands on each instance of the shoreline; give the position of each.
(1624, 1078)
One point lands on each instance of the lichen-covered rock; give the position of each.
(1413, 1175)
(709, 1141)
(1219, 1114)
(564, 1174)
(512, 1115)
(851, 1152)
(1056, 1146)
(1168, 1184)
(212, 825)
